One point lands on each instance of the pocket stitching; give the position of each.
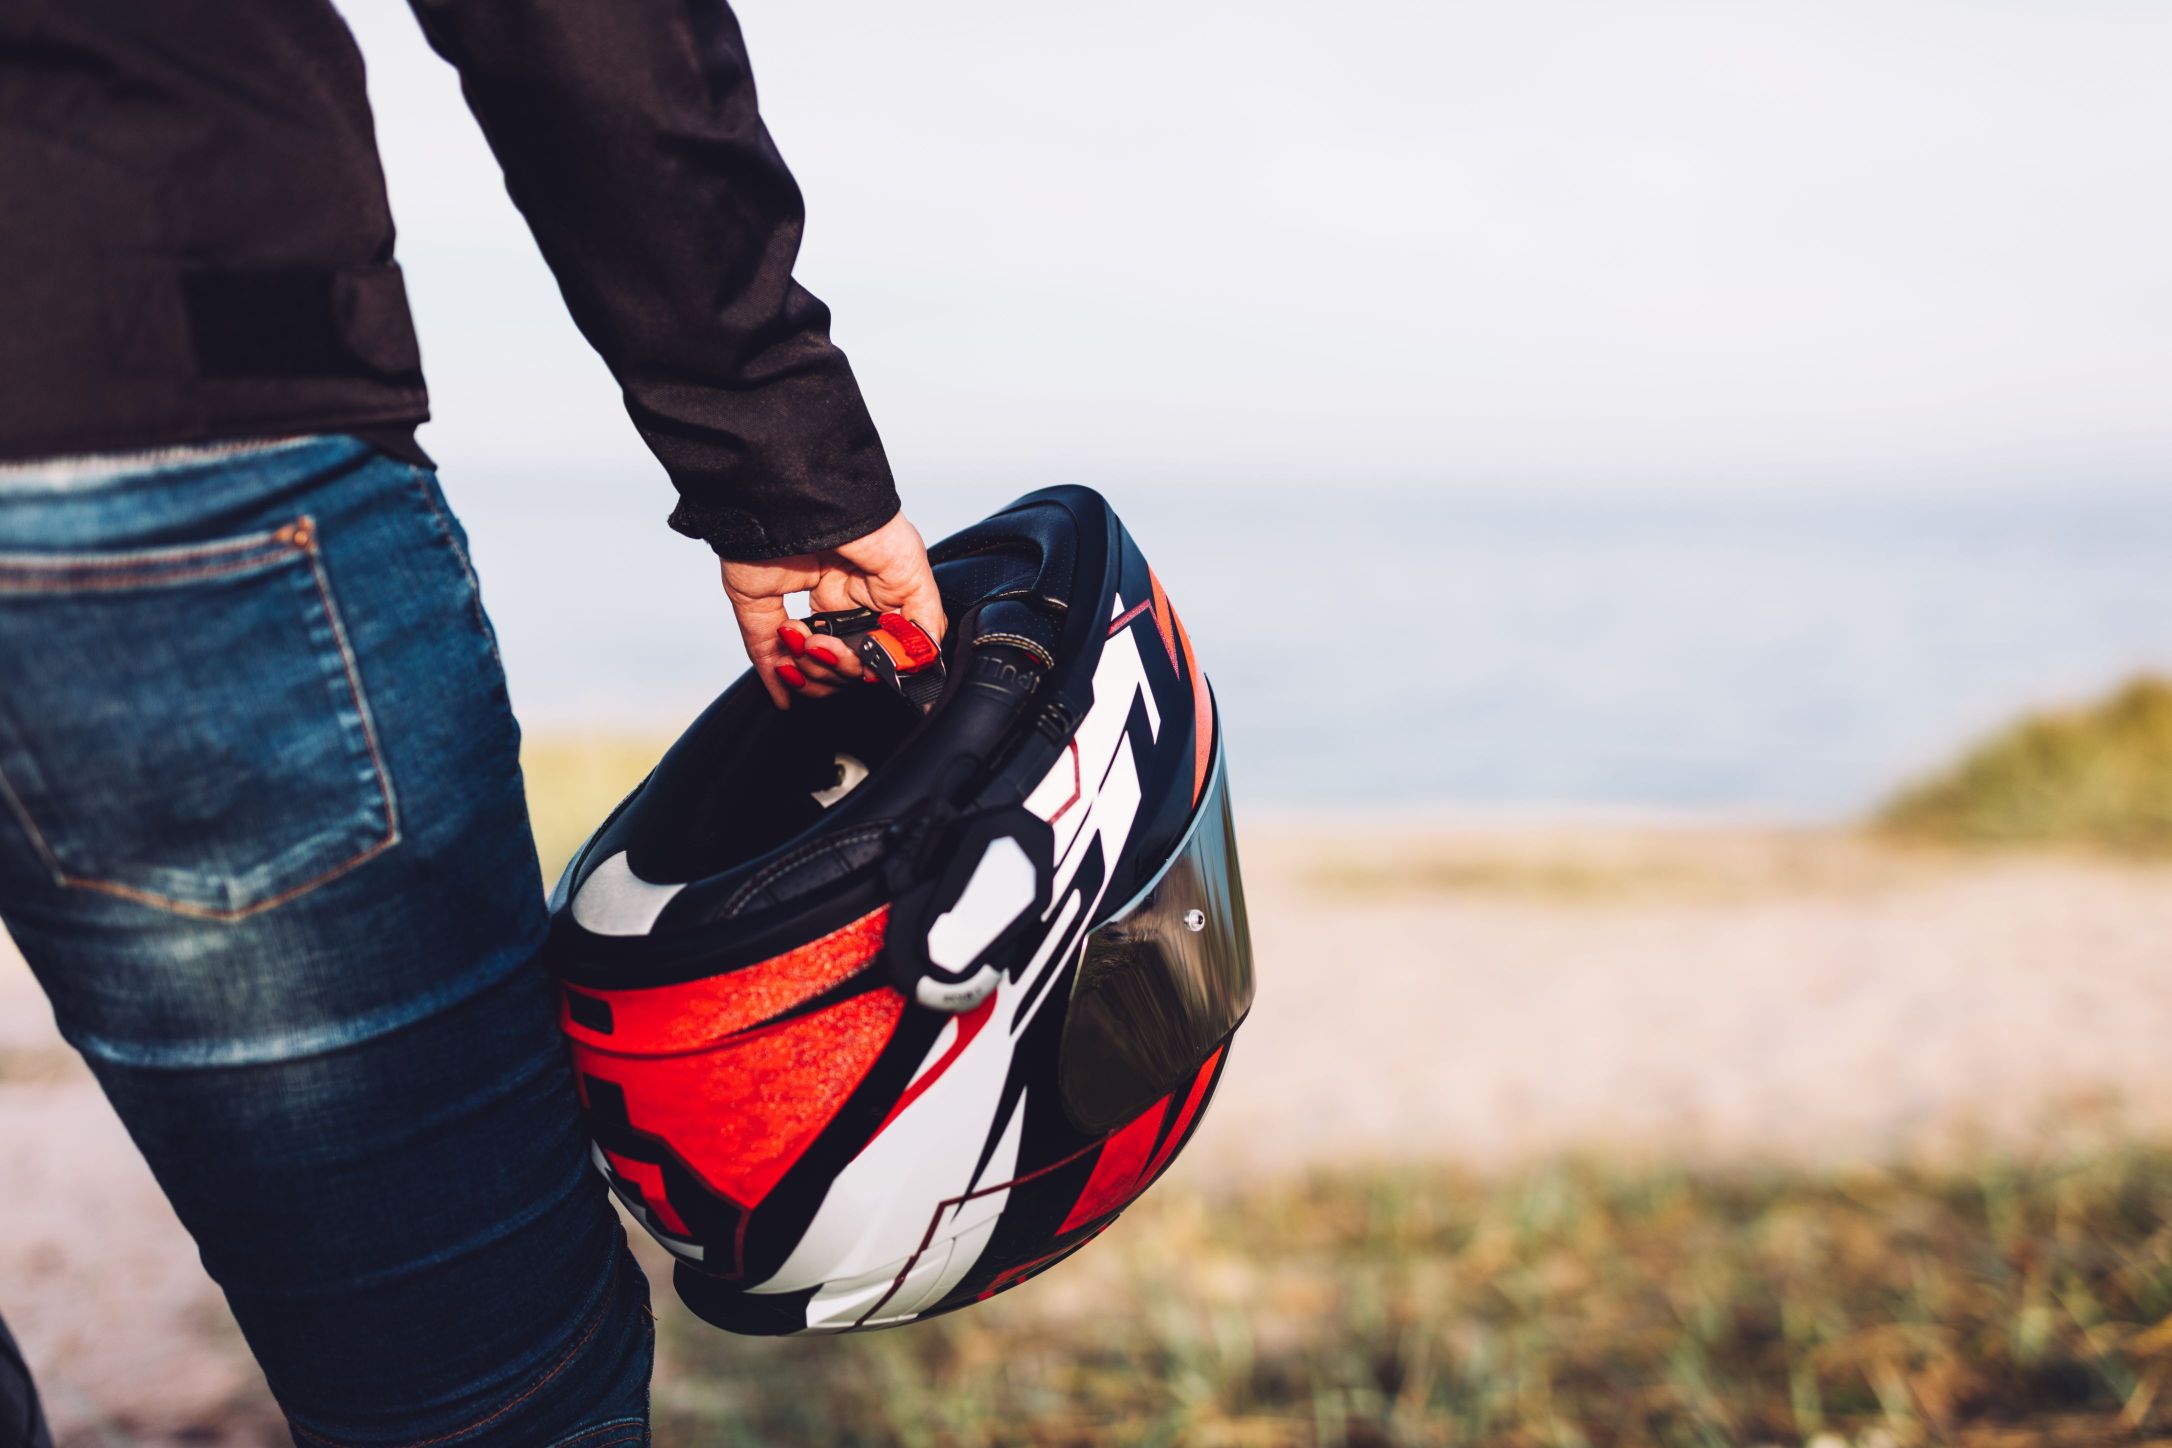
(142, 580)
(211, 912)
(300, 535)
(149, 562)
(423, 489)
(306, 538)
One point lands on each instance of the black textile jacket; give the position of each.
(195, 243)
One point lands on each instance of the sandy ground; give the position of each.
(1483, 996)
(1491, 997)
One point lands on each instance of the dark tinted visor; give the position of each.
(1165, 981)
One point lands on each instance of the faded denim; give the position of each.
(263, 841)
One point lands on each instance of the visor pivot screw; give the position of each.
(1195, 920)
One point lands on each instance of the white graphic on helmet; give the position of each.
(897, 1292)
(1195, 920)
(904, 1222)
(1000, 890)
(613, 900)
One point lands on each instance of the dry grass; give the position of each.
(573, 781)
(2099, 776)
(1567, 1307)
(1586, 865)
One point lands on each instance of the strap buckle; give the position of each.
(892, 649)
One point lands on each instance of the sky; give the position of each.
(1542, 243)
(1465, 299)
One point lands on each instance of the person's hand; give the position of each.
(886, 570)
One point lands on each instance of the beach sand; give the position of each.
(1485, 995)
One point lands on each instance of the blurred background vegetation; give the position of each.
(1568, 1306)
(2096, 777)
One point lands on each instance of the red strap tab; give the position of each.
(919, 648)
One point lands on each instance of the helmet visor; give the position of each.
(1165, 981)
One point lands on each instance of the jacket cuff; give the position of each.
(740, 536)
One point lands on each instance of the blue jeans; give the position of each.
(263, 841)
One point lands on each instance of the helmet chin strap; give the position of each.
(893, 650)
(968, 884)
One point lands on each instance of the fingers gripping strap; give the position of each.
(892, 649)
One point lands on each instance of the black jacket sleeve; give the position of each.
(630, 141)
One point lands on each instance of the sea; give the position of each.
(1781, 655)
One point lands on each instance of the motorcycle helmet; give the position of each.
(881, 1005)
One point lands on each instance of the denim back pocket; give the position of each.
(186, 727)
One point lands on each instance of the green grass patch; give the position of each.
(1569, 1308)
(2099, 776)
